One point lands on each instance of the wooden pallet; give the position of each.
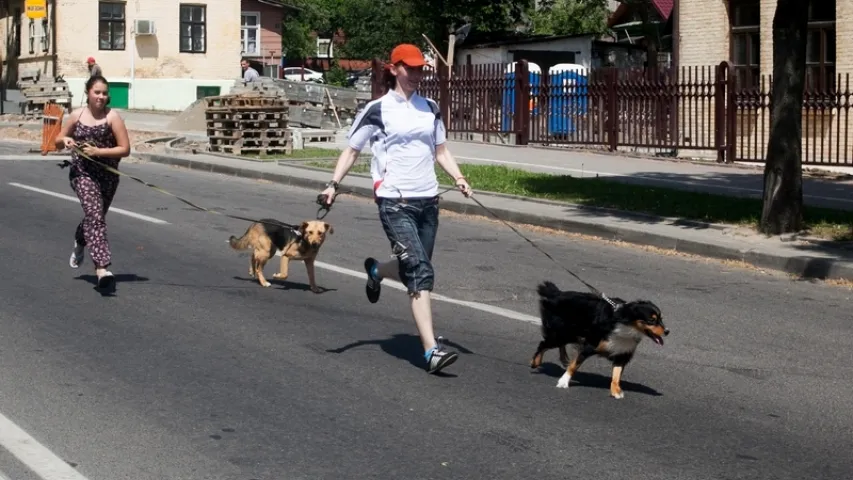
(43, 88)
(227, 102)
(248, 133)
(250, 142)
(239, 150)
(247, 115)
(227, 123)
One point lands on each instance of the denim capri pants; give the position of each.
(411, 225)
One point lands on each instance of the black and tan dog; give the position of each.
(594, 327)
(268, 238)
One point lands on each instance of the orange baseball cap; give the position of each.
(408, 54)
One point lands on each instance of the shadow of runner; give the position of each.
(119, 278)
(404, 346)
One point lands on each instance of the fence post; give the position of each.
(377, 88)
(720, 112)
(444, 93)
(613, 109)
(731, 115)
(522, 103)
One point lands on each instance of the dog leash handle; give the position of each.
(324, 207)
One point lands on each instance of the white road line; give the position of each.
(33, 454)
(643, 177)
(503, 312)
(74, 199)
(3, 476)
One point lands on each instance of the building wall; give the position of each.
(36, 45)
(160, 76)
(270, 32)
(701, 20)
(503, 54)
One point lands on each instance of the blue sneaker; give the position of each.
(373, 287)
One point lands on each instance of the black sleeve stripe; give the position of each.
(433, 106)
(372, 115)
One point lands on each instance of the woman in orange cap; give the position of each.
(407, 137)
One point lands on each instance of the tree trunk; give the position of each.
(782, 211)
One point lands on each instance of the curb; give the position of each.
(809, 267)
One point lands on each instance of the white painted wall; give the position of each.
(167, 94)
(582, 46)
(160, 76)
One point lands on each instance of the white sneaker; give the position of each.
(77, 256)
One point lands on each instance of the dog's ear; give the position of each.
(330, 229)
(304, 226)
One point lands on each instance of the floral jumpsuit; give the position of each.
(95, 187)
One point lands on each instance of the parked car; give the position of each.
(354, 76)
(295, 74)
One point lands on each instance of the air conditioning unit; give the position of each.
(144, 27)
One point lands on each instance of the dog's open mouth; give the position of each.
(655, 338)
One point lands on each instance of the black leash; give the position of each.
(325, 208)
(66, 163)
(590, 287)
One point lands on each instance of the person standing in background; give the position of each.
(249, 73)
(94, 68)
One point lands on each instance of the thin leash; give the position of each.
(79, 150)
(325, 208)
(531, 242)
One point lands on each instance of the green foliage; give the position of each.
(373, 27)
(306, 17)
(571, 17)
(336, 76)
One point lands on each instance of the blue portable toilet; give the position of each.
(568, 97)
(508, 106)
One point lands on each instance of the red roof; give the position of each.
(664, 8)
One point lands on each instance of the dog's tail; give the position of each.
(239, 243)
(548, 291)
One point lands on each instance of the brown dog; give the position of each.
(268, 238)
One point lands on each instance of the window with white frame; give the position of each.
(250, 33)
(324, 48)
(271, 71)
(39, 36)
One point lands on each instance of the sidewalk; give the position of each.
(806, 259)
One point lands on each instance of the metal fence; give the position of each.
(690, 109)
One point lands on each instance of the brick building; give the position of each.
(741, 32)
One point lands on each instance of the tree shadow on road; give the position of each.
(595, 380)
(404, 346)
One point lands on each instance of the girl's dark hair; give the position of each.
(95, 79)
(91, 83)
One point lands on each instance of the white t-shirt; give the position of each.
(403, 135)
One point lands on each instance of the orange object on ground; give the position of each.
(51, 125)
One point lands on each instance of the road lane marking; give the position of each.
(503, 312)
(33, 454)
(137, 216)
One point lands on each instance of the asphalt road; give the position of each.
(192, 371)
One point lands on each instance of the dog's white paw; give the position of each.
(564, 381)
(618, 395)
(267, 284)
